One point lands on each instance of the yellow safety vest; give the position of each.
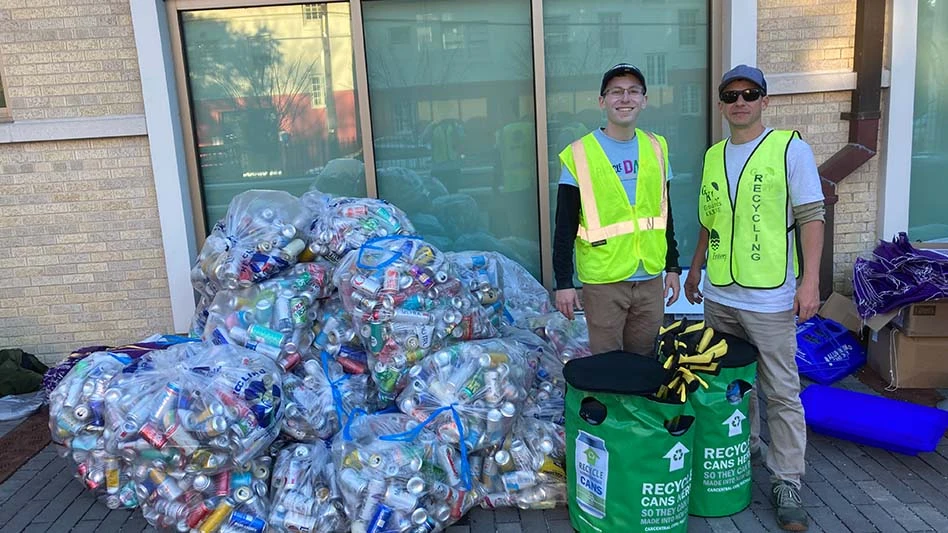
(613, 235)
(518, 156)
(749, 239)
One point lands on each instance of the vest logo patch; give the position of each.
(714, 239)
(712, 200)
(598, 243)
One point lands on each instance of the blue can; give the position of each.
(382, 514)
(249, 521)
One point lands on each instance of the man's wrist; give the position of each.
(673, 270)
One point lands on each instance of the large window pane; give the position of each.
(452, 105)
(928, 218)
(273, 99)
(669, 43)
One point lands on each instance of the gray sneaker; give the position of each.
(790, 513)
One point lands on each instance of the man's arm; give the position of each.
(692, 293)
(810, 218)
(564, 236)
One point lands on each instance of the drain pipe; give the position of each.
(863, 122)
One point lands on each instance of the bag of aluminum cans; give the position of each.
(471, 392)
(530, 472)
(261, 235)
(343, 224)
(343, 176)
(82, 415)
(304, 492)
(395, 476)
(275, 317)
(319, 397)
(501, 282)
(203, 408)
(406, 301)
(336, 335)
(232, 500)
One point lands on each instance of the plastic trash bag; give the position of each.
(16, 406)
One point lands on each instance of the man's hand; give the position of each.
(692, 293)
(807, 300)
(673, 283)
(566, 301)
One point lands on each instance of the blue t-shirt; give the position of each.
(624, 156)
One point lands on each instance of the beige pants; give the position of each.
(624, 316)
(774, 334)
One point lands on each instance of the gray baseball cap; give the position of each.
(743, 72)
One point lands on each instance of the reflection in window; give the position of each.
(399, 35)
(3, 100)
(655, 69)
(453, 123)
(674, 111)
(274, 101)
(928, 219)
(688, 27)
(609, 35)
(556, 34)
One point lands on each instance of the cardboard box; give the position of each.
(909, 362)
(842, 309)
(924, 319)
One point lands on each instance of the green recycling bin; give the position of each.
(721, 467)
(629, 454)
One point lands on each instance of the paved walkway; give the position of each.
(847, 488)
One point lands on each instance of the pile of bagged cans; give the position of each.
(406, 302)
(318, 315)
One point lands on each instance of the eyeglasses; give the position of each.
(750, 95)
(617, 92)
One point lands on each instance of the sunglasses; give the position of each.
(750, 95)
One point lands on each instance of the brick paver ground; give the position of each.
(847, 488)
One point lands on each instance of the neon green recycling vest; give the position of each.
(518, 156)
(749, 239)
(613, 235)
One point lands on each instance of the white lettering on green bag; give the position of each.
(592, 471)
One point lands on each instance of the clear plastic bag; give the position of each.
(305, 493)
(343, 224)
(341, 177)
(406, 301)
(319, 398)
(16, 406)
(531, 472)
(395, 476)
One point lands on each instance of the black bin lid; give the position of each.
(615, 372)
(740, 353)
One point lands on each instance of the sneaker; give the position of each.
(759, 454)
(790, 513)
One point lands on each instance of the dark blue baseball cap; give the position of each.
(622, 69)
(743, 72)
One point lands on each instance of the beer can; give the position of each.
(248, 521)
(381, 517)
(243, 493)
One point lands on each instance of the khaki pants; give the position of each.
(625, 315)
(774, 334)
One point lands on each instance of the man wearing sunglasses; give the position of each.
(613, 206)
(757, 187)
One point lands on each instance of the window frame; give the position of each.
(5, 115)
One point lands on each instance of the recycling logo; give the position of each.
(676, 457)
(735, 424)
(591, 456)
(714, 239)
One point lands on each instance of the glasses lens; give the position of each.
(751, 94)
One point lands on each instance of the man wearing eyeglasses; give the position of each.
(612, 204)
(758, 186)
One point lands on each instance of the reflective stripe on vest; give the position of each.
(750, 237)
(594, 231)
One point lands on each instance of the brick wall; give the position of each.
(798, 36)
(80, 243)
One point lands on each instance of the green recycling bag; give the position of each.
(721, 467)
(629, 455)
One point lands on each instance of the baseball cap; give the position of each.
(621, 70)
(743, 72)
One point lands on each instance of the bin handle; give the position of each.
(592, 411)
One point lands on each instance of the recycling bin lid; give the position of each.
(615, 372)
